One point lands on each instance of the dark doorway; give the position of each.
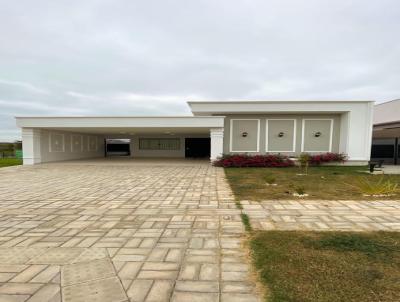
(386, 149)
(197, 147)
(118, 147)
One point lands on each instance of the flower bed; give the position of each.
(327, 158)
(244, 160)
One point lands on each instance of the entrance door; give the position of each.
(118, 147)
(197, 147)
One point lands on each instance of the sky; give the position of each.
(135, 57)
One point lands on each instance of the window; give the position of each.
(159, 144)
(57, 142)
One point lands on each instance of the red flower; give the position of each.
(244, 160)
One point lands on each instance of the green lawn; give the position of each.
(328, 266)
(5, 162)
(325, 182)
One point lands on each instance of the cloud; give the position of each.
(26, 86)
(149, 57)
(38, 108)
(82, 96)
(127, 103)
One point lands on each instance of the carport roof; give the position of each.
(114, 124)
(387, 113)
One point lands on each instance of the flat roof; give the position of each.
(139, 122)
(113, 116)
(277, 101)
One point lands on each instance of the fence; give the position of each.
(11, 154)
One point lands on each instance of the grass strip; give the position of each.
(328, 266)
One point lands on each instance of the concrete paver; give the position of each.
(141, 231)
(324, 215)
(109, 230)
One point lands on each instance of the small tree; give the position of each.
(304, 160)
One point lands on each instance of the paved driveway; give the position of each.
(120, 231)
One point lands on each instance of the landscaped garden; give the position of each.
(5, 162)
(314, 266)
(277, 177)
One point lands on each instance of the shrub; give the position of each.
(269, 179)
(327, 158)
(244, 160)
(300, 190)
(379, 187)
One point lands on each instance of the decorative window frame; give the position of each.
(294, 134)
(72, 142)
(330, 133)
(96, 143)
(231, 135)
(51, 140)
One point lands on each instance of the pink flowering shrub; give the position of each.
(244, 160)
(327, 158)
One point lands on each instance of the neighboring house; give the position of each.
(385, 143)
(216, 128)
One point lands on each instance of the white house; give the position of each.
(215, 128)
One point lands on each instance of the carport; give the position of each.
(48, 139)
(386, 132)
(385, 143)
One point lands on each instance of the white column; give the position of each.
(217, 143)
(31, 146)
(344, 133)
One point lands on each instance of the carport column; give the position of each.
(217, 142)
(31, 146)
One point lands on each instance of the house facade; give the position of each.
(214, 129)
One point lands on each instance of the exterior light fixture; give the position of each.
(281, 134)
(244, 134)
(317, 134)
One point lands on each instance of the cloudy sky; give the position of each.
(132, 57)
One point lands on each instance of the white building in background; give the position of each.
(215, 128)
(386, 134)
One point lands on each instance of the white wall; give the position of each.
(299, 118)
(39, 146)
(357, 115)
(344, 133)
(31, 146)
(84, 152)
(360, 132)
